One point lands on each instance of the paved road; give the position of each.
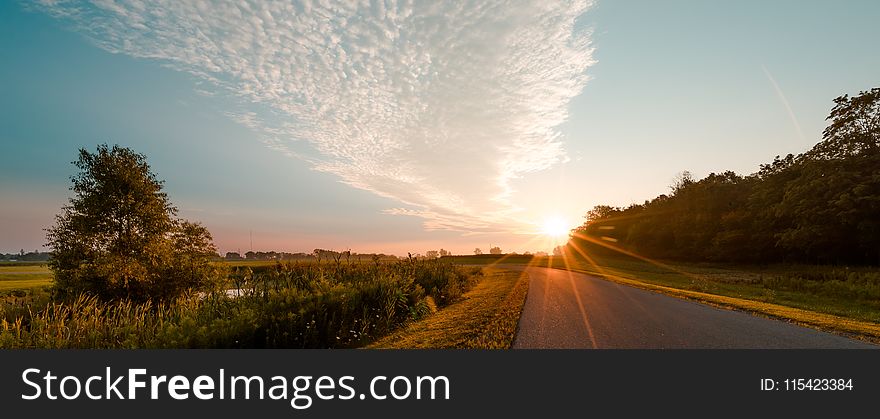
(572, 310)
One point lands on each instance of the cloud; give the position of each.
(438, 105)
(786, 104)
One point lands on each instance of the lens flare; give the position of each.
(554, 227)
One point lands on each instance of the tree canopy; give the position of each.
(822, 206)
(119, 237)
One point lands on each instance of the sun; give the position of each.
(554, 227)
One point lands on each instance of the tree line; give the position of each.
(821, 206)
(22, 256)
(316, 255)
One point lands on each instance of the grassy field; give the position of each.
(28, 275)
(485, 318)
(831, 298)
(492, 259)
(283, 305)
(430, 304)
(23, 276)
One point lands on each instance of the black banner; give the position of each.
(545, 383)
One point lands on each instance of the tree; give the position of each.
(495, 251)
(681, 181)
(600, 212)
(854, 127)
(432, 254)
(119, 237)
(559, 251)
(444, 252)
(822, 206)
(478, 251)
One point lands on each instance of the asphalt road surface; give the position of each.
(573, 310)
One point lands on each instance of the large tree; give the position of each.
(119, 236)
(854, 127)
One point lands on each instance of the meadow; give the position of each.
(274, 305)
(18, 276)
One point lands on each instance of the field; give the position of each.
(280, 305)
(418, 304)
(23, 276)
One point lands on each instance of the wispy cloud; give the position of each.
(439, 105)
(784, 100)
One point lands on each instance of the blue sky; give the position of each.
(413, 127)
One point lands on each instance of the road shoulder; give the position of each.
(485, 318)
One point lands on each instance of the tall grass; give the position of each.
(836, 282)
(286, 305)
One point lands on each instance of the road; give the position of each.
(573, 310)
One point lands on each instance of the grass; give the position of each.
(490, 259)
(20, 276)
(835, 299)
(24, 276)
(285, 305)
(20, 284)
(31, 267)
(485, 318)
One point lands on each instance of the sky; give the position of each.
(406, 126)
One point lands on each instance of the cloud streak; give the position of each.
(438, 105)
(785, 103)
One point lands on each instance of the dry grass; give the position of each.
(24, 282)
(485, 318)
(24, 276)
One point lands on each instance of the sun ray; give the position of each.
(634, 255)
(584, 318)
(605, 273)
(507, 256)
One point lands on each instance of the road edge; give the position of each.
(855, 329)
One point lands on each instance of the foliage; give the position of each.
(285, 305)
(822, 206)
(118, 236)
(854, 128)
